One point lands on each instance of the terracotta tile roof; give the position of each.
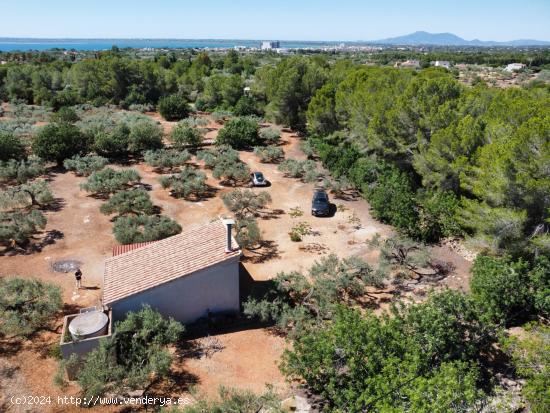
(163, 261)
(121, 249)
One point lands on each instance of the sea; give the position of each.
(15, 44)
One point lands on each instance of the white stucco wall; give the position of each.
(190, 297)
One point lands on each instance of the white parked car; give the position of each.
(258, 179)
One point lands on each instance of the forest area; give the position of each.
(436, 159)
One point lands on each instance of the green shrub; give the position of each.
(114, 143)
(239, 133)
(271, 136)
(11, 147)
(183, 136)
(500, 287)
(65, 114)
(132, 358)
(173, 107)
(59, 141)
(144, 228)
(393, 201)
(247, 233)
(144, 135)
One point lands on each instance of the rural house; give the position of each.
(185, 276)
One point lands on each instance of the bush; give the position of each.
(27, 305)
(247, 233)
(393, 201)
(246, 106)
(173, 107)
(112, 144)
(190, 182)
(65, 114)
(305, 170)
(269, 154)
(11, 147)
(162, 159)
(21, 171)
(500, 287)
(85, 165)
(184, 136)
(16, 228)
(144, 228)
(530, 355)
(58, 141)
(131, 358)
(108, 181)
(437, 215)
(239, 133)
(134, 201)
(271, 136)
(144, 135)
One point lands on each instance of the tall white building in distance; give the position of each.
(270, 45)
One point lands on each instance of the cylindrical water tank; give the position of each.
(87, 325)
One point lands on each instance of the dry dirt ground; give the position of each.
(249, 357)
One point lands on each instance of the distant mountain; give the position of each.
(449, 39)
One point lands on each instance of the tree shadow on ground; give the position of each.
(55, 206)
(49, 238)
(272, 214)
(267, 250)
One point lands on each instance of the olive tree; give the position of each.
(143, 228)
(246, 203)
(271, 135)
(305, 170)
(35, 194)
(163, 159)
(189, 183)
(133, 201)
(247, 233)
(16, 228)
(297, 301)
(108, 181)
(85, 165)
(225, 164)
(27, 305)
(269, 154)
(21, 171)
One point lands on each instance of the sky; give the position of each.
(345, 20)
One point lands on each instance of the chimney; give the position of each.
(228, 225)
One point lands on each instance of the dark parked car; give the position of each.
(320, 205)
